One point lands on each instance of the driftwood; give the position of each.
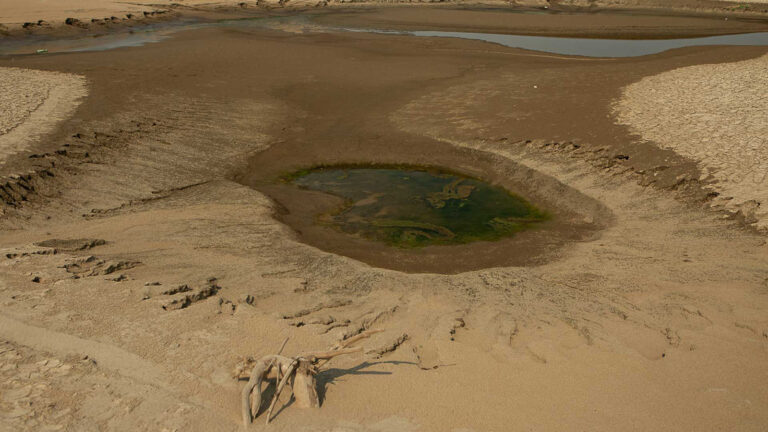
(301, 370)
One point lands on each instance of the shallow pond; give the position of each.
(413, 207)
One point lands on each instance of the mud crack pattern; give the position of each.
(716, 115)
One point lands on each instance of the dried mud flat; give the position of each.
(716, 115)
(32, 104)
(143, 253)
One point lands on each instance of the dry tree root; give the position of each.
(302, 369)
(390, 346)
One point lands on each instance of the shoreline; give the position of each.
(175, 14)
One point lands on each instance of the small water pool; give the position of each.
(410, 207)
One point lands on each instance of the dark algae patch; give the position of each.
(412, 207)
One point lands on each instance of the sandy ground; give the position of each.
(161, 179)
(20, 11)
(32, 103)
(54, 13)
(716, 115)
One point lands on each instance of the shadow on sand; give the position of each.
(324, 379)
(330, 376)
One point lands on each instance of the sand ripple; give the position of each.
(715, 114)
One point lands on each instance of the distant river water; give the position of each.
(586, 47)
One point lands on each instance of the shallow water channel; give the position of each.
(587, 47)
(592, 47)
(413, 207)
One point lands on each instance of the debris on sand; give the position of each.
(302, 368)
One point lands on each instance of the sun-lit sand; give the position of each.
(718, 116)
(32, 103)
(20, 11)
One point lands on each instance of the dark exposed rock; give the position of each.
(119, 265)
(457, 324)
(82, 265)
(247, 299)
(195, 296)
(38, 155)
(226, 306)
(70, 245)
(178, 289)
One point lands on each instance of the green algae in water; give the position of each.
(412, 207)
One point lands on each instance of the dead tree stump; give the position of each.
(300, 370)
(305, 385)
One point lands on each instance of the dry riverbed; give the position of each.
(144, 252)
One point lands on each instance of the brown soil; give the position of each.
(574, 23)
(657, 307)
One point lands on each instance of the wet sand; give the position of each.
(653, 321)
(574, 23)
